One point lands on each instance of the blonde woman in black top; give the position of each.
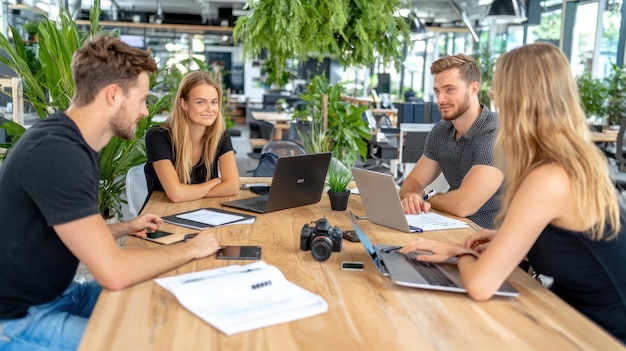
(191, 156)
(560, 208)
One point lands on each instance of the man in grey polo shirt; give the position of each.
(460, 146)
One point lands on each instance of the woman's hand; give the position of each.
(479, 241)
(441, 251)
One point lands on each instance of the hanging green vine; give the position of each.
(355, 32)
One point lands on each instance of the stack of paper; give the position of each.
(237, 298)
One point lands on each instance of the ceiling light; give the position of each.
(506, 11)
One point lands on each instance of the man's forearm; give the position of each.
(410, 186)
(451, 202)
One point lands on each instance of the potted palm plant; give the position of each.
(337, 180)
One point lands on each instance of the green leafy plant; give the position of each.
(52, 89)
(486, 62)
(31, 28)
(345, 132)
(338, 177)
(593, 96)
(354, 32)
(616, 90)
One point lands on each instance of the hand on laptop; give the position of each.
(441, 251)
(415, 203)
(479, 241)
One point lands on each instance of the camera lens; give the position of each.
(321, 248)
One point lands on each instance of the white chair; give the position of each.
(136, 189)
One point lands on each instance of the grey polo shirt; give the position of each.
(456, 157)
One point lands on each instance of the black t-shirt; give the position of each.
(159, 147)
(49, 178)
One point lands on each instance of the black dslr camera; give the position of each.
(321, 239)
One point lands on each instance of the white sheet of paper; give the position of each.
(237, 298)
(434, 221)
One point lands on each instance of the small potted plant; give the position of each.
(31, 28)
(337, 180)
(281, 104)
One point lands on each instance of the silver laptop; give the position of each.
(381, 199)
(298, 180)
(405, 270)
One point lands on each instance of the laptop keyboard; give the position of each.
(429, 271)
(258, 204)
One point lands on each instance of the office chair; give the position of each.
(283, 148)
(297, 129)
(136, 189)
(261, 132)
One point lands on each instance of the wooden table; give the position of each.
(282, 121)
(366, 311)
(609, 136)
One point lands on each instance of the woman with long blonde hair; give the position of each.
(191, 156)
(559, 208)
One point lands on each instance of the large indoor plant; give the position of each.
(344, 132)
(616, 89)
(354, 32)
(593, 96)
(52, 89)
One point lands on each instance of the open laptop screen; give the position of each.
(369, 247)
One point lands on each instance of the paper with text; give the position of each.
(237, 298)
(434, 221)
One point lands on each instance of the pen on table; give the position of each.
(429, 195)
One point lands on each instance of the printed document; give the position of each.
(433, 221)
(238, 298)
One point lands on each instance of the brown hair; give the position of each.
(105, 60)
(465, 63)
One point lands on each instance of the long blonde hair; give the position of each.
(178, 126)
(542, 121)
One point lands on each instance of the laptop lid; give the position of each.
(439, 276)
(381, 199)
(298, 180)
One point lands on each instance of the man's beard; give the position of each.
(118, 124)
(463, 107)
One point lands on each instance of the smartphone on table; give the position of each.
(239, 253)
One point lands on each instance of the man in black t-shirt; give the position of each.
(49, 218)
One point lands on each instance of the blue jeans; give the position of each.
(57, 325)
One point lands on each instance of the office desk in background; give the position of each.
(281, 121)
(366, 311)
(604, 137)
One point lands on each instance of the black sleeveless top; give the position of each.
(588, 275)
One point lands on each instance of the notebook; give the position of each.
(298, 180)
(383, 206)
(406, 271)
